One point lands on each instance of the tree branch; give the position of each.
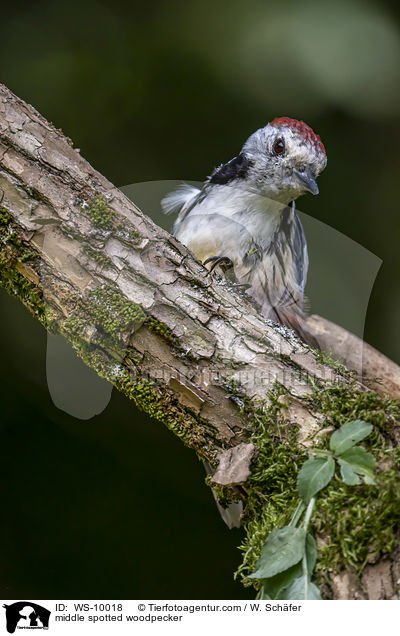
(143, 312)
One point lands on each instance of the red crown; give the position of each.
(302, 129)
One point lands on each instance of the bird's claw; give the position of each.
(218, 260)
(226, 265)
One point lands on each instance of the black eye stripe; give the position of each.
(279, 147)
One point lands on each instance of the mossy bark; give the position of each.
(143, 313)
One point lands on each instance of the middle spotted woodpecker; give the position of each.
(244, 218)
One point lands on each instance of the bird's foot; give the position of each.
(226, 265)
(223, 262)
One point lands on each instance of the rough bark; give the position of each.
(144, 314)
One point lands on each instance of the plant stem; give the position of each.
(297, 514)
(305, 576)
(307, 518)
(308, 514)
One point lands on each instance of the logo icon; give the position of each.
(26, 615)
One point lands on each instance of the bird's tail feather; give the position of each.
(175, 200)
(297, 323)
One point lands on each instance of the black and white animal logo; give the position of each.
(26, 615)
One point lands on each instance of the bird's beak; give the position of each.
(307, 180)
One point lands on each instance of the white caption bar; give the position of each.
(177, 617)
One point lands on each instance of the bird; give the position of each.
(243, 223)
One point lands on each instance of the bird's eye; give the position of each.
(279, 147)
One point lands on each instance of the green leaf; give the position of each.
(348, 435)
(311, 553)
(357, 465)
(283, 548)
(315, 474)
(263, 596)
(348, 475)
(297, 591)
(360, 458)
(275, 586)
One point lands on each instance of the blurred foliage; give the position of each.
(167, 90)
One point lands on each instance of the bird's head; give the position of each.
(284, 159)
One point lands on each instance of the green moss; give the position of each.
(5, 217)
(17, 285)
(145, 395)
(333, 363)
(161, 329)
(116, 361)
(111, 312)
(358, 524)
(125, 232)
(99, 257)
(108, 310)
(163, 406)
(73, 326)
(291, 364)
(342, 402)
(355, 525)
(28, 255)
(271, 487)
(100, 214)
(225, 494)
(9, 232)
(14, 251)
(11, 237)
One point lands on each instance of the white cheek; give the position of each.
(304, 156)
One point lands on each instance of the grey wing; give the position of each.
(289, 264)
(277, 274)
(288, 252)
(277, 270)
(300, 253)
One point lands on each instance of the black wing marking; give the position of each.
(236, 168)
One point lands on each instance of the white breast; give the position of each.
(227, 221)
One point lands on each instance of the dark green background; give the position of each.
(115, 507)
